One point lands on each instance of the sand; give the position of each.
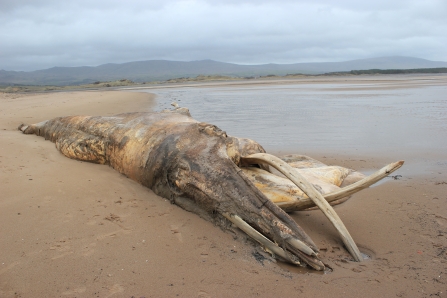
(75, 229)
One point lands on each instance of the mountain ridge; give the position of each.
(156, 70)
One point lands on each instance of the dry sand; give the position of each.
(75, 229)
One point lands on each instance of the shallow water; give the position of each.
(402, 119)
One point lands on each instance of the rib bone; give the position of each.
(295, 245)
(365, 182)
(297, 204)
(241, 224)
(314, 195)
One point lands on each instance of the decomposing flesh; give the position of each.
(222, 178)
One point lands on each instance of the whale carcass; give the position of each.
(222, 178)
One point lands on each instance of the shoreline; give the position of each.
(300, 79)
(72, 228)
(360, 79)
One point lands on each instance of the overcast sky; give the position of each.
(37, 34)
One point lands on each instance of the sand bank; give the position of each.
(75, 229)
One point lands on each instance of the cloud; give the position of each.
(44, 33)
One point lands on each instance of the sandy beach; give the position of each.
(76, 229)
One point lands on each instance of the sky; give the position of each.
(39, 34)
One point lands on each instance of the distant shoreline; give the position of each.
(220, 80)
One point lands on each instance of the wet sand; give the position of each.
(75, 229)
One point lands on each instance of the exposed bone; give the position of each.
(332, 203)
(312, 261)
(313, 194)
(365, 182)
(301, 161)
(301, 246)
(241, 224)
(297, 246)
(298, 203)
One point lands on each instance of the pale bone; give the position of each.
(313, 194)
(298, 244)
(241, 224)
(365, 182)
(305, 203)
(295, 243)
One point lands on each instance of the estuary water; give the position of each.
(402, 117)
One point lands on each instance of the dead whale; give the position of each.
(221, 178)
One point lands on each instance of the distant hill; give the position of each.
(156, 70)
